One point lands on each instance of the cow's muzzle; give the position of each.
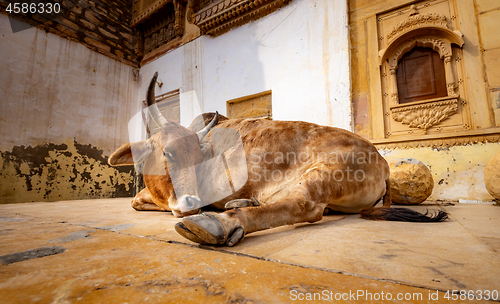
(187, 205)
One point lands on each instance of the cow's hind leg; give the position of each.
(231, 226)
(144, 202)
(387, 196)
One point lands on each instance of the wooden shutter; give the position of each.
(421, 76)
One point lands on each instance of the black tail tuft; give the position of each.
(402, 215)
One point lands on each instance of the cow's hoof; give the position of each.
(241, 203)
(182, 230)
(236, 237)
(207, 228)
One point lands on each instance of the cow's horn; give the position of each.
(153, 110)
(208, 127)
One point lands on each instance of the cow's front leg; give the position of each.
(144, 202)
(306, 203)
(230, 227)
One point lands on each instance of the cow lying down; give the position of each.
(267, 174)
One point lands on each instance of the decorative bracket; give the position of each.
(426, 114)
(180, 12)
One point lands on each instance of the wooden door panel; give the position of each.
(421, 76)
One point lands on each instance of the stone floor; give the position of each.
(102, 251)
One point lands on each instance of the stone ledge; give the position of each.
(440, 140)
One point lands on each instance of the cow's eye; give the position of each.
(169, 156)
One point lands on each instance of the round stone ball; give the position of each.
(410, 181)
(492, 176)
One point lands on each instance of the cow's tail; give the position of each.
(386, 213)
(402, 215)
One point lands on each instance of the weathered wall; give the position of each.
(300, 52)
(458, 172)
(457, 164)
(477, 20)
(64, 109)
(66, 171)
(101, 25)
(488, 12)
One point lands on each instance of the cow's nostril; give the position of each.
(189, 202)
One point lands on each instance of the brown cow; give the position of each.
(294, 171)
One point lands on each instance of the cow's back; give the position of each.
(281, 155)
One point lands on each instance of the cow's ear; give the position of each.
(122, 156)
(126, 154)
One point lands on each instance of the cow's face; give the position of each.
(168, 161)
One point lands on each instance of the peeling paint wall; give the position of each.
(51, 172)
(458, 171)
(64, 109)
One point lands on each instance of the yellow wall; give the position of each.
(457, 167)
(458, 171)
(489, 21)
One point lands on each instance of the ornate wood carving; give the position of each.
(428, 30)
(138, 43)
(415, 21)
(180, 12)
(159, 30)
(424, 115)
(156, 23)
(438, 44)
(220, 16)
(143, 9)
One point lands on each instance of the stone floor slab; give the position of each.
(104, 266)
(109, 248)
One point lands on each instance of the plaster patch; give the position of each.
(116, 228)
(50, 172)
(31, 254)
(73, 236)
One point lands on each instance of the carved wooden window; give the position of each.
(419, 53)
(421, 76)
(253, 106)
(157, 23)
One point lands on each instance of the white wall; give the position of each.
(300, 52)
(53, 89)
